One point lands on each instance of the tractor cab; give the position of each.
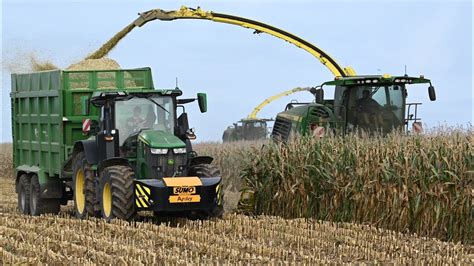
(375, 103)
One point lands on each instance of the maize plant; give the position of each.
(418, 184)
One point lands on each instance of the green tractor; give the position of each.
(112, 143)
(374, 104)
(247, 129)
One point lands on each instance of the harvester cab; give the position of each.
(376, 103)
(372, 103)
(247, 129)
(144, 158)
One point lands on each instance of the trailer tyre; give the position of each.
(24, 194)
(38, 205)
(85, 199)
(208, 170)
(117, 193)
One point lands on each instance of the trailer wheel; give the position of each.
(208, 170)
(117, 193)
(38, 205)
(24, 194)
(85, 199)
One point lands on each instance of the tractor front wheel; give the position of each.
(117, 193)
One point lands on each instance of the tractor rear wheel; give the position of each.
(208, 170)
(117, 193)
(23, 190)
(85, 199)
(40, 205)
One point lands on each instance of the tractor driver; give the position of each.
(369, 110)
(135, 122)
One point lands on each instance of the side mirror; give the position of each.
(432, 93)
(319, 95)
(202, 101)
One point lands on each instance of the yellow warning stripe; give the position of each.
(147, 190)
(139, 197)
(142, 192)
(138, 203)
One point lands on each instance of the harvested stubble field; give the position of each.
(233, 239)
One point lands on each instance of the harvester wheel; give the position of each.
(117, 193)
(85, 199)
(208, 170)
(24, 194)
(39, 205)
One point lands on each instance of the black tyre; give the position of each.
(208, 170)
(117, 193)
(204, 170)
(39, 205)
(85, 199)
(23, 190)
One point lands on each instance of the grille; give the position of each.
(319, 112)
(281, 129)
(160, 166)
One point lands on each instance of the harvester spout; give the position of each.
(160, 14)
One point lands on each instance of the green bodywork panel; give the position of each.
(302, 117)
(141, 171)
(152, 139)
(160, 139)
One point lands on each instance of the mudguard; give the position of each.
(90, 149)
(200, 160)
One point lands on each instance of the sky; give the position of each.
(238, 69)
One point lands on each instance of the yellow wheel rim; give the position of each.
(79, 191)
(107, 200)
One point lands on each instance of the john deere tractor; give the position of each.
(111, 142)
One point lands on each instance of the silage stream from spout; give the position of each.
(110, 44)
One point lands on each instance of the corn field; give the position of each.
(417, 184)
(342, 191)
(230, 159)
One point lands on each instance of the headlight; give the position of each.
(159, 151)
(179, 150)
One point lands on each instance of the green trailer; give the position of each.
(81, 135)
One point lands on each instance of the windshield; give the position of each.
(379, 106)
(143, 113)
(387, 96)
